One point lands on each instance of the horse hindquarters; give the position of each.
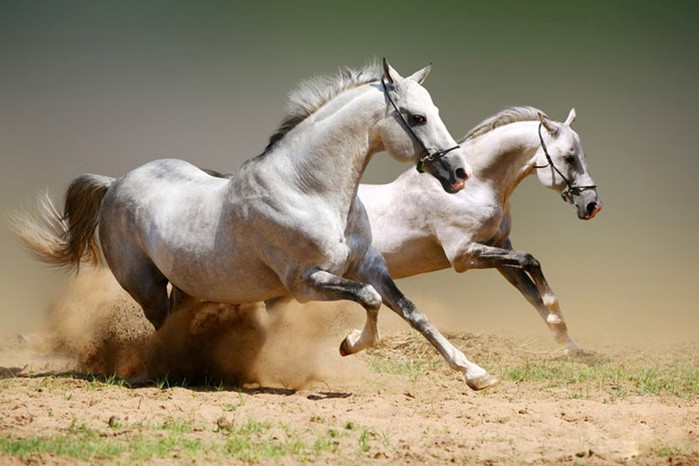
(130, 264)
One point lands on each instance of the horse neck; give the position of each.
(328, 152)
(504, 157)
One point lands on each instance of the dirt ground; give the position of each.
(217, 373)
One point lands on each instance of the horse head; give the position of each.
(562, 166)
(412, 130)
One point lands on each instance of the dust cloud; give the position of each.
(99, 326)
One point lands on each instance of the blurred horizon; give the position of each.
(103, 87)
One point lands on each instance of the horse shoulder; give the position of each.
(399, 211)
(475, 216)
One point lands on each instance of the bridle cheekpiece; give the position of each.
(571, 190)
(427, 155)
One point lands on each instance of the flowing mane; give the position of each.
(314, 92)
(502, 118)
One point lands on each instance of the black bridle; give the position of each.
(427, 155)
(571, 190)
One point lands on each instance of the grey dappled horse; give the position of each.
(288, 224)
(418, 229)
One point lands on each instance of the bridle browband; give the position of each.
(428, 156)
(571, 190)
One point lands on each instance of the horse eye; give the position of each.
(569, 159)
(418, 119)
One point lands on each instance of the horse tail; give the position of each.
(64, 241)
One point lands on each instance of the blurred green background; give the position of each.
(104, 86)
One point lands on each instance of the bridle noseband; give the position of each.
(571, 190)
(428, 156)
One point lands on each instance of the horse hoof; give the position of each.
(344, 348)
(574, 351)
(349, 344)
(482, 382)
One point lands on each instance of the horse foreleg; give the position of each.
(321, 285)
(375, 272)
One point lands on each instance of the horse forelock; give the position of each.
(504, 117)
(313, 93)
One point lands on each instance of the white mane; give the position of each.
(502, 118)
(314, 92)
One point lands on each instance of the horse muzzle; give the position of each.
(591, 209)
(451, 171)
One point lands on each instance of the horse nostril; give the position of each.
(591, 207)
(461, 174)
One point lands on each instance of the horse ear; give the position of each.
(548, 124)
(391, 75)
(419, 76)
(571, 117)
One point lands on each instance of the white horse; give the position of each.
(288, 224)
(419, 229)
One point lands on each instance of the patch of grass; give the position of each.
(667, 452)
(177, 426)
(363, 441)
(235, 405)
(96, 381)
(412, 368)
(327, 444)
(405, 354)
(254, 441)
(167, 381)
(251, 442)
(161, 383)
(212, 384)
(117, 381)
(144, 448)
(617, 380)
(80, 443)
(48, 383)
(680, 380)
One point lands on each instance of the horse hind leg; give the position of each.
(154, 300)
(179, 299)
(148, 287)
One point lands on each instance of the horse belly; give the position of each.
(408, 258)
(220, 267)
(245, 282)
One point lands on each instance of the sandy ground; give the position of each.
(397, 404)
